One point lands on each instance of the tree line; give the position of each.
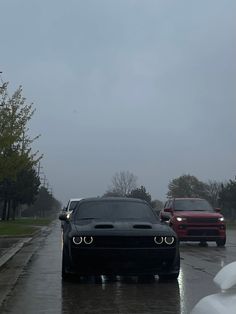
(218, 194)
(19, 180)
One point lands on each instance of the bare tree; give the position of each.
(123, 183)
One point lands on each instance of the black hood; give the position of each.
(105, 227)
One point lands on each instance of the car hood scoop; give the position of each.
(103, 226)
(115, 226)
(142, 226)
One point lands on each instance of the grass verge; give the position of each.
(22, 227)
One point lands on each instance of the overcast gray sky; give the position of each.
(146, 86)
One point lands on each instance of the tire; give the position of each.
(171, 276)
(203, 244)
(221, 242)
(65, 276)
(111, 278)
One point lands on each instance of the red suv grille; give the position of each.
(203, 232)
(202, 220)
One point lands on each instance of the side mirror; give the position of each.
(165, 217)
(63, 217)
(217, 209)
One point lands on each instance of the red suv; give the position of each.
(194, 219)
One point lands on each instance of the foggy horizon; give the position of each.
(141, 86)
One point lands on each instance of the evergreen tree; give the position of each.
(141, 193)
(227, 199)
(187, 186)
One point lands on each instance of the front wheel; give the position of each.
(65, 276)
(174, 274)
(221, 242)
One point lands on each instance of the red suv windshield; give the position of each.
(192, 205)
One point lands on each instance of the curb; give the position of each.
(13, 262)
(23, 239)
(13, 250)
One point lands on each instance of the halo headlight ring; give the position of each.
(77, 240)
(88, 240)
(169, 240)
(158, 240)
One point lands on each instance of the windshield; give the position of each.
(114, 210)
(193, 205)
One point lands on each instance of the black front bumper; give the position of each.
(122, 261)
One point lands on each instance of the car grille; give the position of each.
(203, 232)
(124, 242)
(202, 220)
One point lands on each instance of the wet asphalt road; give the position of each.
(40, 289)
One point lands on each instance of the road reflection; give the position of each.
(199, 264)
(126, 295)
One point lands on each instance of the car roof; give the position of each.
(105, 199)
(187, 198)
(75, 199)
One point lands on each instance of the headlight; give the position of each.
(169, 240)
(80, 240)
(88, 240)
(181, 219)
(221, 219)
(158, 240)
(77, 240)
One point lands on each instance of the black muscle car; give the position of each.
(118, 236)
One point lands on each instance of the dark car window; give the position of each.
(168, 204)
(193, 205)
(114, 210)
(73, 205)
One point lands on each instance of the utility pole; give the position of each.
(44, 181)
(1, 87)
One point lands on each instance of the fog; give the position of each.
(140, 86)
